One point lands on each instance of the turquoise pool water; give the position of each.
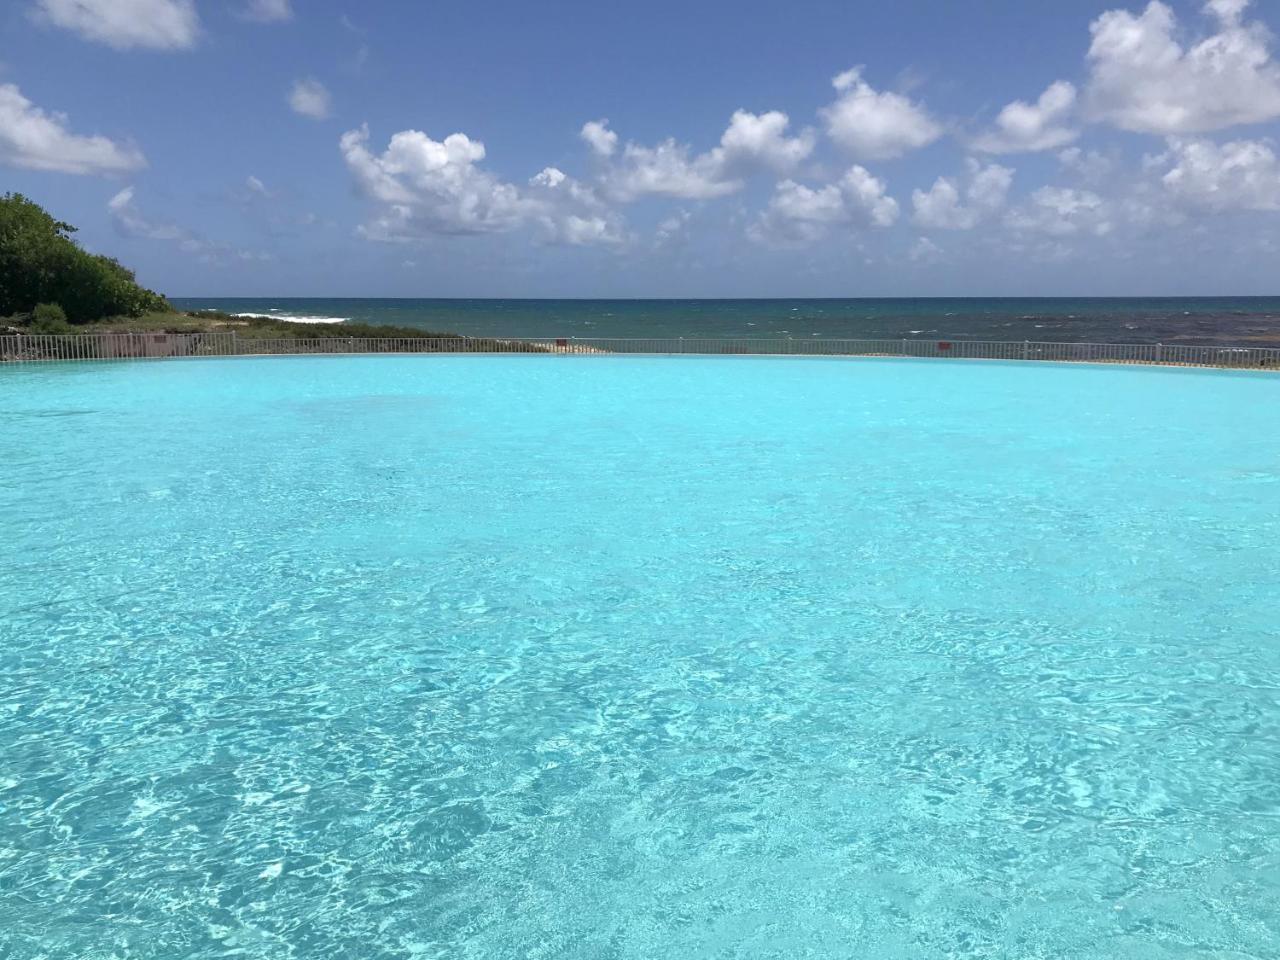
(499, 657)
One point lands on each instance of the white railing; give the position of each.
(130, 346)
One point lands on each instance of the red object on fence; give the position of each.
(944, 344)
(561, 342)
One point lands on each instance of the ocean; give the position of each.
(1204, 320)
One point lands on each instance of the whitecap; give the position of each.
(290, 318)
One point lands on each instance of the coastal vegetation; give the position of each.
(41, 264)
(49, 284)
(250, 327)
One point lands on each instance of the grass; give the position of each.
(259, 328)
(250, 329)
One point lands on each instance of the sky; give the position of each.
(666, 149)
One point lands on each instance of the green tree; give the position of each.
(40, 262)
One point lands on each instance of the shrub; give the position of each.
(49, 318)
(49, 313)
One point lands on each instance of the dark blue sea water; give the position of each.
(1251, 320)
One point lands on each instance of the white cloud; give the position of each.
(1142, 79)
(1241, 175)
(549, 177)
(1023, 127)
(425, 187)
(875, 125)
(36, 140)
(560, 188)
(799, 215)
(430, 187)
(1062, 212)
(268, 11)
(753, 141)
(154, 24)
(749, 144)
(572, 212)
(257, 186)
(309, 98)
(1227, 10)
(944, 208)
(601, 139)
(668, 170)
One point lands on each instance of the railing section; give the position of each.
(155, 346)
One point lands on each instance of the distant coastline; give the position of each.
(1190, 320)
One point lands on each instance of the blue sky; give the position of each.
(325, 148)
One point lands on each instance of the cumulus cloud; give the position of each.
(1062, 212)
(123, 24)
(267, 11)
(431, 187)
(572, 212)
(423, 187)
(1023, 127)
(1241, 175)
(798, 215)
(669, 170)
(36, 140)
(944, 207)
(309, 98)
(1142, 79)
(602, 140)
(875, 125)
(751, 143)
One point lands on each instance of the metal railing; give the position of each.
(21, 348)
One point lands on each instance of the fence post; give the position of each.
(1026, 349)
(1159, 352)
(904, 346)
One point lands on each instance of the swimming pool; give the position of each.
(489, 657)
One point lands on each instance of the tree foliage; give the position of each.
(40, 262)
